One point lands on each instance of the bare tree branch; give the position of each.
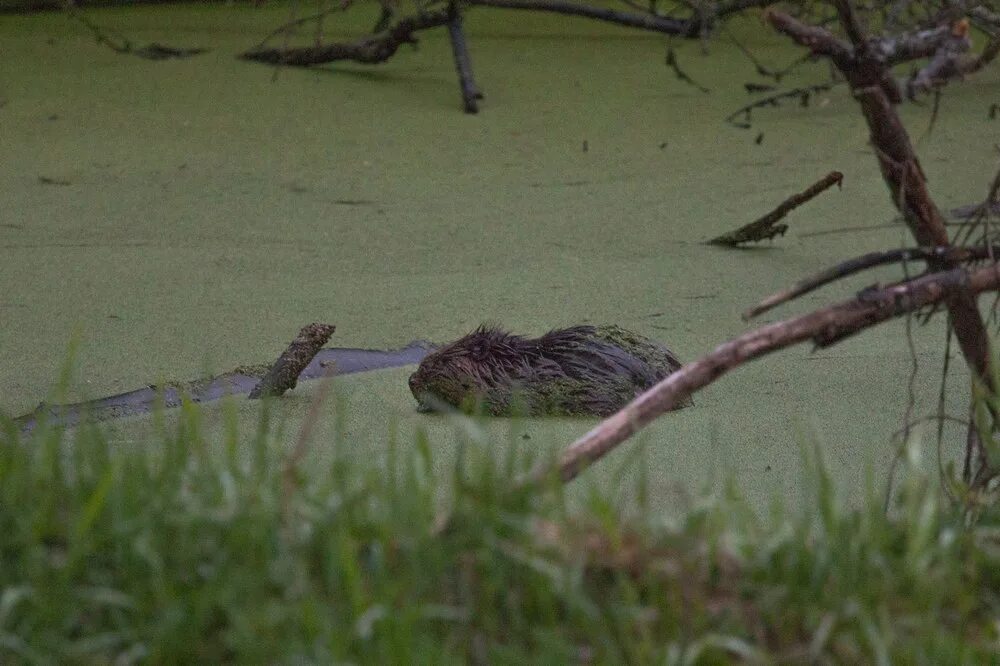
(824, 327)
(863, 263)
(866, 69)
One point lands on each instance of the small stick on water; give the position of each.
(680, 73)
(284, 374)
(765, 227)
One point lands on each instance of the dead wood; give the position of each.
(766, 227)
(866, 261)
(372, 49)
(823, 327)
(383, 45)
(284, 374)
(865, 64)
(951, 61)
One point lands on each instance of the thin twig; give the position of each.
(680, 73)
(741, 117)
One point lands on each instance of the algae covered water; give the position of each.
(188, 216)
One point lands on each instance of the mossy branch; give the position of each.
(284, 374)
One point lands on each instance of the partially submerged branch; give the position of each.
(383, 45)
(767, 227)
(951, 61)
(371, 49)
(285, 372)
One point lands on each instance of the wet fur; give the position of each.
(571, 371)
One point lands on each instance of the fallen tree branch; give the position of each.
(283, 375)
(372, 49)
(866, 261)
(824, 327)
(766, 227)
(383, 45)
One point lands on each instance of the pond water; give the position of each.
(199, 211)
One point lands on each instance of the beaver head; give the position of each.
(471, 368)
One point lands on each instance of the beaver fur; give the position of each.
(582, 370)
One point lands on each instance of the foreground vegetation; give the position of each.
(190, 550)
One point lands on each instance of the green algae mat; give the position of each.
(176, 218)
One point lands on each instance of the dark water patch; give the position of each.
(242, 380)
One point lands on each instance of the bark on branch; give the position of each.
(382, 46)
(866, 261)
(865, 65)
(372, 49)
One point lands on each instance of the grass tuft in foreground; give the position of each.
(186, 550)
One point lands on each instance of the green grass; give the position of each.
(185, 550)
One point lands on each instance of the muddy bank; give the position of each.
(240, 381)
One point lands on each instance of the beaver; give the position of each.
(576, 371)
